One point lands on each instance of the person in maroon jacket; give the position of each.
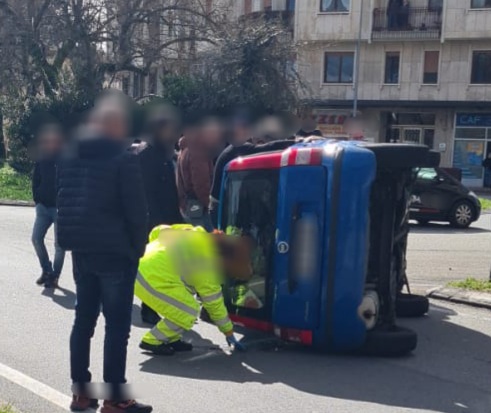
(199, 147)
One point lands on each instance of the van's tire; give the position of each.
(410, 305)
(462, 215)
(390, 342)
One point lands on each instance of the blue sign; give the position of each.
(482, 120)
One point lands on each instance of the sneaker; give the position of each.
(159, 350)
(44, 277)
(81, 404)
(51, 282)
(180, 345)
(129, 406)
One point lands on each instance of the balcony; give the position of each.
(413, 23)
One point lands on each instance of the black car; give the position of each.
(437, 196)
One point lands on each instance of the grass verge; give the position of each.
(485, 203)
(6, 408)
(14, 186)
(472, 284)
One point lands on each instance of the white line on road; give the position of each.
(39, 389)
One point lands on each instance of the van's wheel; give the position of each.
(411, 305)
(462, 215)
(390, 342)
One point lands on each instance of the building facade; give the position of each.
(424, 73)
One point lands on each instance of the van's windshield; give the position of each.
(249, 208)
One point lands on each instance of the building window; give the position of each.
(152, 82)
(480, 4)
(392, 64)
(290, 5)
(335, 6)
(247, 6)
(126, 85)
(481, 67)
(339, 67)
(435, 5)
(430, 68)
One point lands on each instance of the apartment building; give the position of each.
(424, 72)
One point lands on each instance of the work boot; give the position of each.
(149, 316)
(180, 346)
(159, 350)
(81, 404)
(51, 282)
(44, 277)
(129, 406)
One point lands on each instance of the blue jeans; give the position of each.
(107, 283)
(45, 218)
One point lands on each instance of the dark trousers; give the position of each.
(105, 283)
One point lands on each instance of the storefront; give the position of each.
(472, 144)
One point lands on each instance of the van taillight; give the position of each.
(296, 336)
(301, 156)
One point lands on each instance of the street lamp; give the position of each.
(357, 63)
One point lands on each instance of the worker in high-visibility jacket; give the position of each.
(180, 262)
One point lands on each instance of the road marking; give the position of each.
(39, 389)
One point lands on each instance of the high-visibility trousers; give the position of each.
(178, 308)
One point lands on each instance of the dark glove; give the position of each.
(237, 345)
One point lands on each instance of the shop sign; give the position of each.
(474, 119)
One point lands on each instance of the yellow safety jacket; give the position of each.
(181, 261)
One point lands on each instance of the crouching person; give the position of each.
(180, 262)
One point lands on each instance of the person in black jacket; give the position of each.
(243, 144)
(157, 157)
(50, 143)
(102, 219)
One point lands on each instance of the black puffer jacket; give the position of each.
(101, 200)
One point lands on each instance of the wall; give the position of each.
(462, 22)
(454, 74)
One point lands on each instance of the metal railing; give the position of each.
(406, 23)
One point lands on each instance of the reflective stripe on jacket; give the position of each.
(180, 261)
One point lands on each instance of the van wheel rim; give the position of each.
(463, 214)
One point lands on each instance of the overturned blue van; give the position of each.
(330, 224)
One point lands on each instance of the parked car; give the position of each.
(437, 196)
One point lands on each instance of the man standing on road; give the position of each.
(199, 148)
(156, 156)
(241, 145)
(50, 143)
(103, 221)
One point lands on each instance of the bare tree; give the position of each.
(46, 43)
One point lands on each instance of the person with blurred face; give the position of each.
(243, 143)
(308, 127)
(156, 154)
(180, 262)
(49, 144)
(200, 145)
(102, 220)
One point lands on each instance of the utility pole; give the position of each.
(357, 63)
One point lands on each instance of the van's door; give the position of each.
(299, 246)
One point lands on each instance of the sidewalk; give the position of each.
(461, 296)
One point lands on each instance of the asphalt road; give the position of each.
(438, 253)
(449, 372)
